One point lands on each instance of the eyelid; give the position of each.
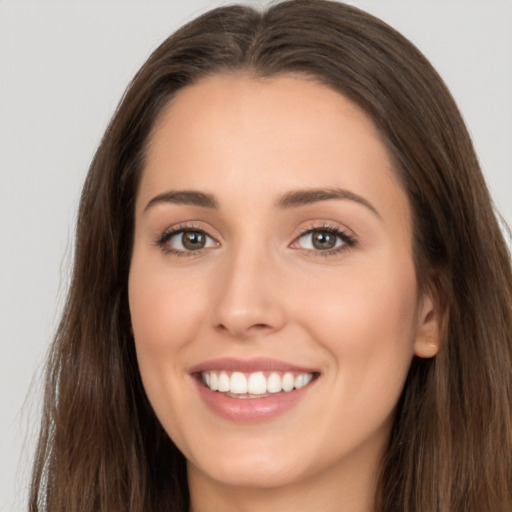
(164, 236)
(347, 238)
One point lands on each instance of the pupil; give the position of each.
(323, 240)
(193, 240)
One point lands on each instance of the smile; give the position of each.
(252, 390)
(256, 384)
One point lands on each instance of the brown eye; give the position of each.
(193, 240)
(186, 241)
(323, 240)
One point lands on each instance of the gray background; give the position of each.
(63, 67)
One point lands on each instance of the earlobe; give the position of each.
(427, 342)
(426, 348)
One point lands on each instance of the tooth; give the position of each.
(214, 381)
(288, 381)
(238, 383)
(274, 383)
(257, 383)
(300, 381)
(223, 383)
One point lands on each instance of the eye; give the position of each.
(186, 241)
(328, 240)
(320, 240)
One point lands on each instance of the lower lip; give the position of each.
(251, 410)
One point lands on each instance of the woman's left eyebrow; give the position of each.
(296, 198)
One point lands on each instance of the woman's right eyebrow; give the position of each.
(185, 197)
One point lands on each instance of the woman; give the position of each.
(290, 288)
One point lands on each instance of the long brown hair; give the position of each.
(101, 447)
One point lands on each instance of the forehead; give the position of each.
(228, 133)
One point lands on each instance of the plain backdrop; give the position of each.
(63, 68)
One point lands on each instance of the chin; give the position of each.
(266, 474)
(251, 467)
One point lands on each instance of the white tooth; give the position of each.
(288, 381)
(223, 383)
(257, 383)
(214, 381)
(308, 378)
(299, 381)
(274, 383)
(238, 383)
(206, 379)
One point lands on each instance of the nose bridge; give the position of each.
(248, 296)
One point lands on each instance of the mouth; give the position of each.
(246, 391)
(237, 384)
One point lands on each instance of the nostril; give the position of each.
(244, 332)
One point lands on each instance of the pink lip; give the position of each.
(250, 410)
(257, 364)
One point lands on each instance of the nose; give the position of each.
(249, 300)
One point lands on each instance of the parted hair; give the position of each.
(102, 449)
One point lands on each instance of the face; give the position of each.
(272, 289)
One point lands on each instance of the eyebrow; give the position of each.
(186, 197)
(304, 197)
(292, 199)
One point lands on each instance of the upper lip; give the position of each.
(261, 364)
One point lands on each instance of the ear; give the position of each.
(428, 333)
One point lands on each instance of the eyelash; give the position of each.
(348, 240)
(164, 238)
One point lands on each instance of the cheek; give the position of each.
(366, 320)
(165, 317)
(367, 326)
(164, 312)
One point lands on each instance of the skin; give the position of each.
(259, 288)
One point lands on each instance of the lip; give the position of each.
(250, 410)
(256, 364)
